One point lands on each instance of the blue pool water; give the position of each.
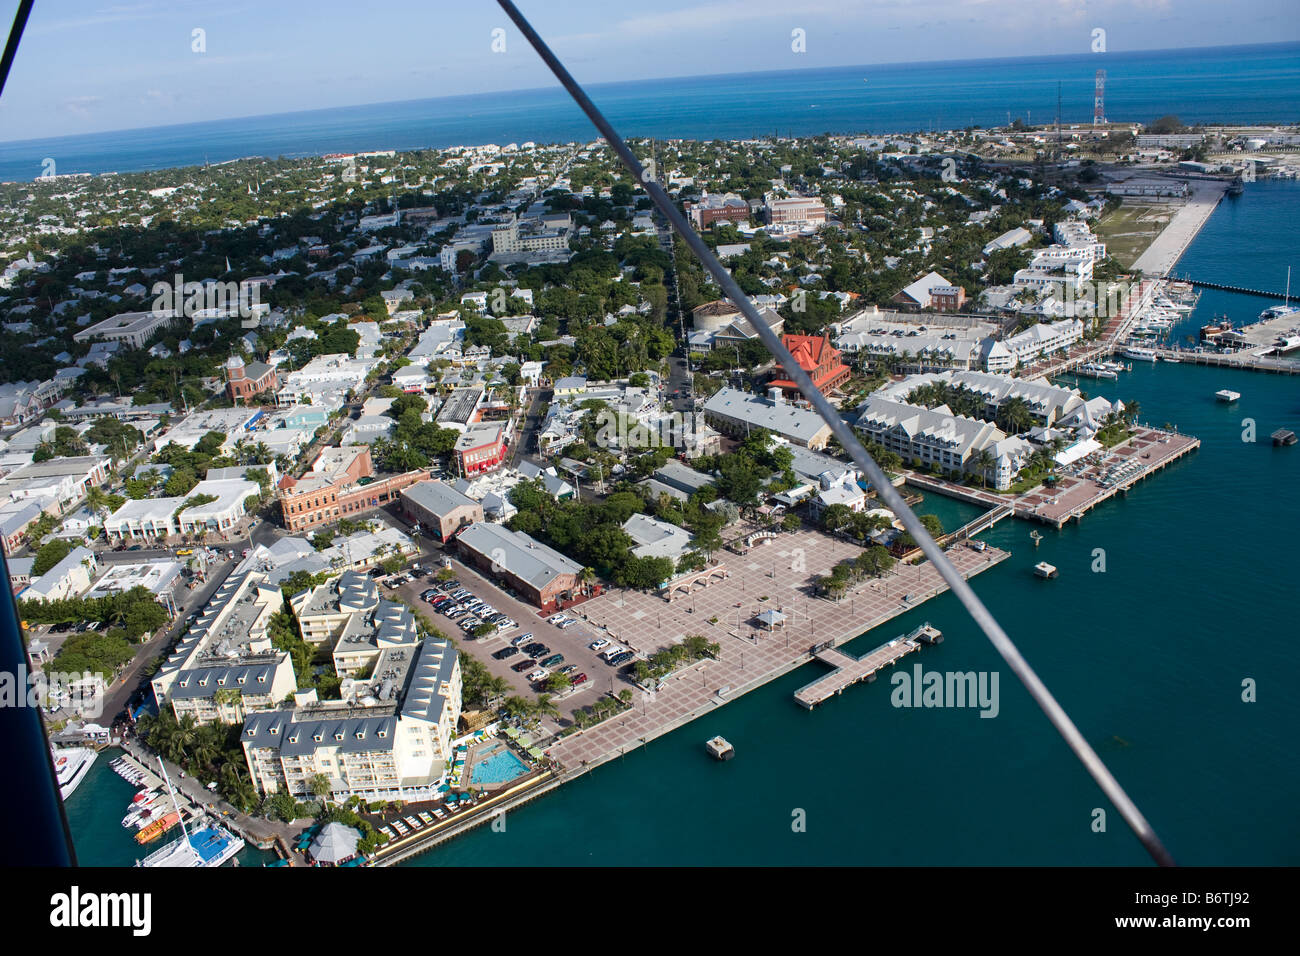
(498, 768)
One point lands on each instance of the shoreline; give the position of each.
(684, 700)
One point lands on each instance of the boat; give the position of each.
(1094, 370)
(1227, 395)
(71, 766)
(1044, 570)
(207, 847)
(1172, 358)
(720, 748)
(1139, 354)
(158, 827)
(1283, 437)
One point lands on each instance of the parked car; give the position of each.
(568, 668)
(505, 653)
(553, 661)
(623, 658)
(578, 679)
(556, 619)
(538, 675)
(523, 666)
(566, 624)
(612, 650)
(521, 640)
(536, 650)
(598, 644)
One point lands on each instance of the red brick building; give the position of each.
(245, 381)
(337, 486)
(818, 358)
(947, 298)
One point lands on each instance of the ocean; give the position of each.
(1245, 84)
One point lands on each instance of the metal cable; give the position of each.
(848, 440)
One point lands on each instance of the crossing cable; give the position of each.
(849, 441)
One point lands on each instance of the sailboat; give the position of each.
(207, 846)
(1286, 308)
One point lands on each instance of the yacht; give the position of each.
(1286, 308)
(71, 766)
(1138, 354)
(209, 846)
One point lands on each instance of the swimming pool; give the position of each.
(499, 767)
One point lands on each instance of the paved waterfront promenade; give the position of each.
(1168, 247)
(751, 655)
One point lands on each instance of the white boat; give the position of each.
(1139, 354)
(71, 766)
(1227, 395)
(1045, 570)
(207, 846)
(1277, 311)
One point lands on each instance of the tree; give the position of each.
(320, 787)
(50, 554)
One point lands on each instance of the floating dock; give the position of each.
(850, 670)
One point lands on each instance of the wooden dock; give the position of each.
(850, 670)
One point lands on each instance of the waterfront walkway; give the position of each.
(750, 654)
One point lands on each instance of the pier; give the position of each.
(850, 670)
(1253, 360)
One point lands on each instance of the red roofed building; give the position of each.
(818, 358)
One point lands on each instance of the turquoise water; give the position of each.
(1245, 84)
(502, 766)
(1149, 657)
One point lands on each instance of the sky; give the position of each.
(87, 66)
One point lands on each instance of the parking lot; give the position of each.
(571, 641)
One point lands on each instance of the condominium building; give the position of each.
(932, 437)
(388, 739)
(225, 666)
(1043, 338)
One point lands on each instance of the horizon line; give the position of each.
(648, 79)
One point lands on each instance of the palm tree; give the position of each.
(545, 707)
(984, 462)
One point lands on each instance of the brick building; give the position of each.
(341, 483)
(243, 381)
